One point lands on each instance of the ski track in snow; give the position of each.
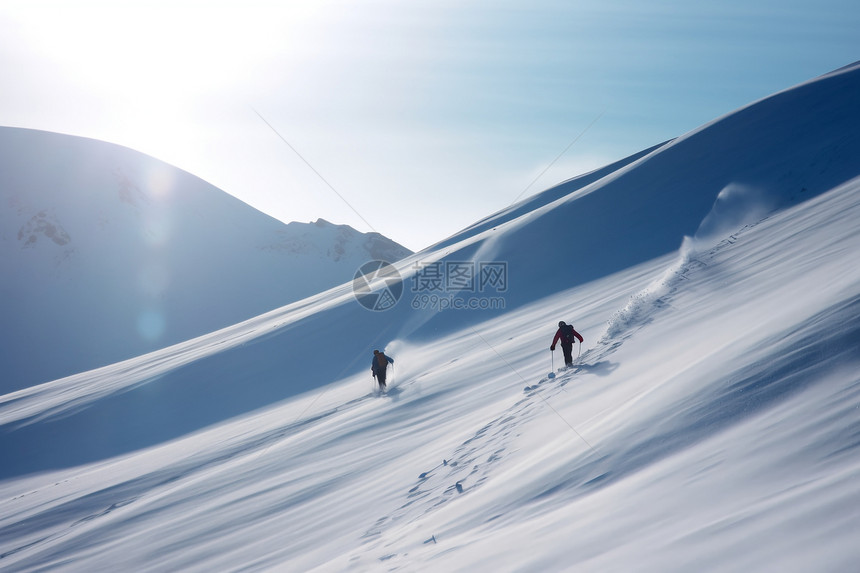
(472, 463)
(468, 467)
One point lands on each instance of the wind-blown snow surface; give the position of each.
(140, 255)
(712, 422)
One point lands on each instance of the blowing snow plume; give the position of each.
(736, 208)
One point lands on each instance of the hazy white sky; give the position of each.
(422, 117)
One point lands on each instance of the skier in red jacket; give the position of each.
(567, 335)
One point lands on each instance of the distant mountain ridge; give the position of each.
(142, 253)
(340, 242)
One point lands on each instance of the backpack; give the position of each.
(567, 333)
(381, 361)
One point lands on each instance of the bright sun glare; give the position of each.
(155, 61)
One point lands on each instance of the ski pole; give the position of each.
(552, 359)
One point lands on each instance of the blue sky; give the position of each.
(421, 117)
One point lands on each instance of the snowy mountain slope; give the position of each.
(240, 379)
(711, 422)
(779, 154)
(640, 478)
(140, 254)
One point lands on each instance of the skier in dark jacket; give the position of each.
(379, 366)
(567, 335)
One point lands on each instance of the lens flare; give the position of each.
(151, 325)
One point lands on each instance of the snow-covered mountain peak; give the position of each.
(144, 254)
(338, 242)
